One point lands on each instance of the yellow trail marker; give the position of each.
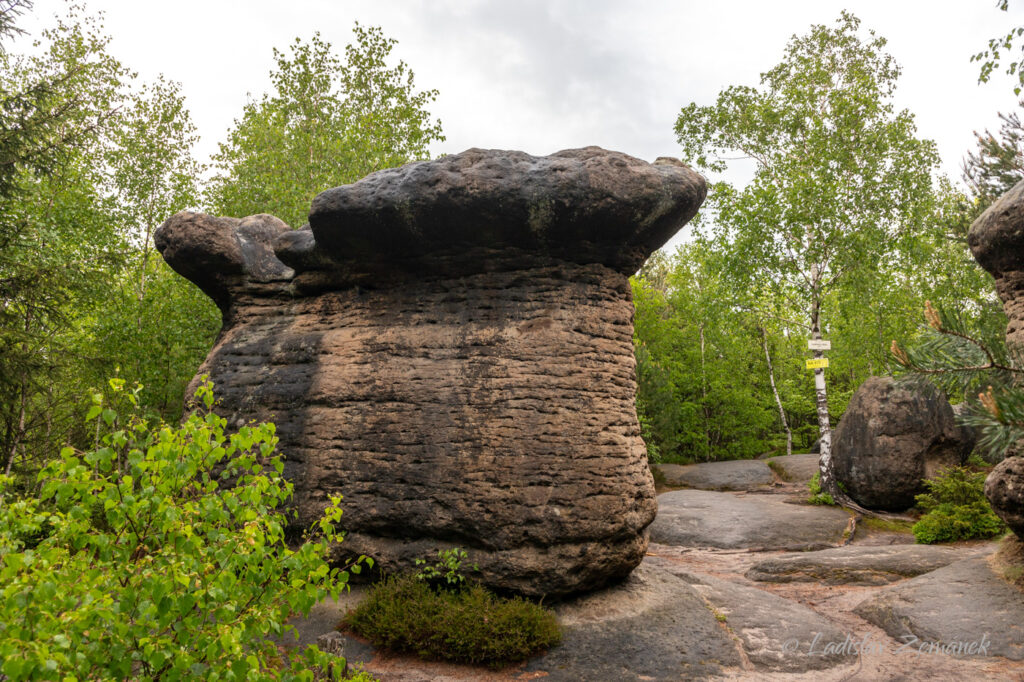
(817, 363)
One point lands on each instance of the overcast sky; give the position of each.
(542, 76)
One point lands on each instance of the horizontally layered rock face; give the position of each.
(449, 346)
(997, 241)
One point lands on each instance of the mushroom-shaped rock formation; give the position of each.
(449, 345)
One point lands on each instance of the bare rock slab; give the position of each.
(653, 626)
(775, 633)
(796, 468)
(963, 603)
(856, 564)
(448, 346)
(700, 518)
(738, 474)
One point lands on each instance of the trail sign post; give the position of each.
(819, 344)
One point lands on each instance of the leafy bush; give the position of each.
(818, 497)
(956, 508)
(467, 625)
(448, 569)
(159, 554)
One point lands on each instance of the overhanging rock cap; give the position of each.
(485, 209)
(996, 237)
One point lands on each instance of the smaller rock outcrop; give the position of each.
(891, 438)
(1004, 489)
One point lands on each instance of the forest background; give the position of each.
(844, 230)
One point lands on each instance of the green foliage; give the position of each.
(447, 571)
(91, 163)
(647, 434)
(840, 231)
(956, 508)
(998, 163)
(966, 359)
(469, 625)
(159, 553)
(817, 496)
(702, 383)
(840, 177)
(328, 122)
(998, 48)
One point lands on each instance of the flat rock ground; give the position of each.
(722, 595)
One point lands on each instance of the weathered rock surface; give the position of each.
(449, 346)
(1004, 489)
(653, 626)
(996, 239)
(796, 468)
(739, 474)
(776, 633)
(661, 623)
(960, 603)
(891, 437)
(698, 518)
(855, 564)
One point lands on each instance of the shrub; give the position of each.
(159, 554)
(818, 497)
(956, 509)
(447, 572)
(466, 625)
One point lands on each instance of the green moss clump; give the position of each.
(956, 509)
(467, 625)
(887, 525)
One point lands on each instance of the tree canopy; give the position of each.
(328, 122)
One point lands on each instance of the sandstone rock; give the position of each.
(795, 468)
(996, 239)
(449, 346)
(1004, 489)
(891, 437)
(776, 634)
(964, 602)
(653, 626)
(698, 518)
(854, 564)
(738, 474)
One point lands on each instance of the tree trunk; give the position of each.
(20, 433)
(704, 398)
(828, 479)
(775, 392)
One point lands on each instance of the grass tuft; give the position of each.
(467, 625)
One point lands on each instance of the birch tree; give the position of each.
(839, 176)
